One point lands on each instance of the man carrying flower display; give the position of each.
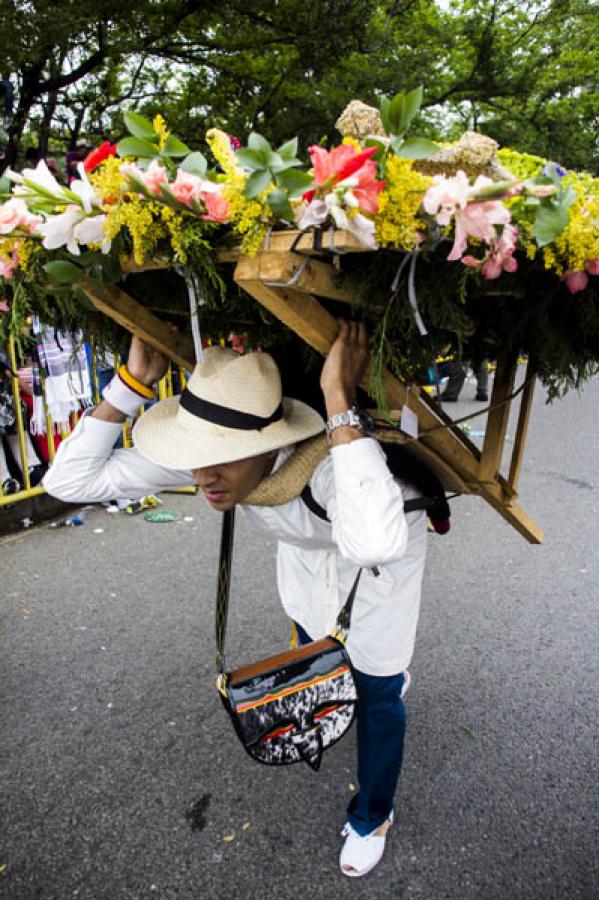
(230, 432)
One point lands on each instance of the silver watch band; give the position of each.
(348, 418)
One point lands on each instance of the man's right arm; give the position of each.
(87, 468)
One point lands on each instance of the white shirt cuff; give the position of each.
(122, 397)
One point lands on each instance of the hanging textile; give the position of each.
(63, 365)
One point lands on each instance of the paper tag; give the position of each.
(409, 422)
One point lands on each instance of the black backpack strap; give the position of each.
(314, 507)
(409, 505)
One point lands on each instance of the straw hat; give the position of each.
(231, 409)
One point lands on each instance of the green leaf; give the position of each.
(396, 113)
(412, 103)
(251, 159)
(417, 148)
(294, 182)
(288, 151)
(140, 127)
(279, 203)
(174, 147)
(380, 145)
(167, 197)
(256, 183)
(62, 271)
(385, 118)
(137, 147)
(259, 143)
(551, 218)
(195, 163)
(275, 163)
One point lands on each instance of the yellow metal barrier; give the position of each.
(165, 389)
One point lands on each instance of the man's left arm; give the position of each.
(363, 499)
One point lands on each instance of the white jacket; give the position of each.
(317, 560)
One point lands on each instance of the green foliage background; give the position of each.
(524, 73)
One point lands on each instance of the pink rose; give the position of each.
(217, 208)
(14, 214)
(154, 176)
(186, 187)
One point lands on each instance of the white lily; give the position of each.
(314, 213)
(59, 231)
(84, 190)
(91, 231)
(358, 225)
(40, 179)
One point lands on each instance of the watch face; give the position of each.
(366, 421)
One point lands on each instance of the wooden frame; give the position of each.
(288, 284)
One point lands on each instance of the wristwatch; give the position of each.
(352, 418)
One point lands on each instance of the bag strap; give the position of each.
(223, 590)
(409, 505)
(223, 586)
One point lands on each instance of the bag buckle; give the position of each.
(222, 684)
(340, 634)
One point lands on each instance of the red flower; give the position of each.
(340, 163)
(368, 187)
(98, 155)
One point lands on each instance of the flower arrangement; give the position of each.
(516, 221)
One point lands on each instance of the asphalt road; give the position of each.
(122, 777)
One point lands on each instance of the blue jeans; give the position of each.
(381, 724)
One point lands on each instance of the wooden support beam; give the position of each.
(114, 302)
(522, 428)
(307, 318)
(497, 419)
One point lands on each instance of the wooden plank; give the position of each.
(282, 241)
(315, 276)
(522, 428)
(115, 303)
(304, 315)
(131, 267)
(497, 419)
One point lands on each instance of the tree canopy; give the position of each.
(523, 72)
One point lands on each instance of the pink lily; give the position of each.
(592, 267)
(575, 281)
(477, 220)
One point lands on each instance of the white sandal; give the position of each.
(361, 853)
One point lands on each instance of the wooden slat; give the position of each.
(282, 241)
(317, 277)
(131, 267)
(497, 419)
(522, 428)
(117, 304)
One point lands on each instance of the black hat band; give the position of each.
(223, 415)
